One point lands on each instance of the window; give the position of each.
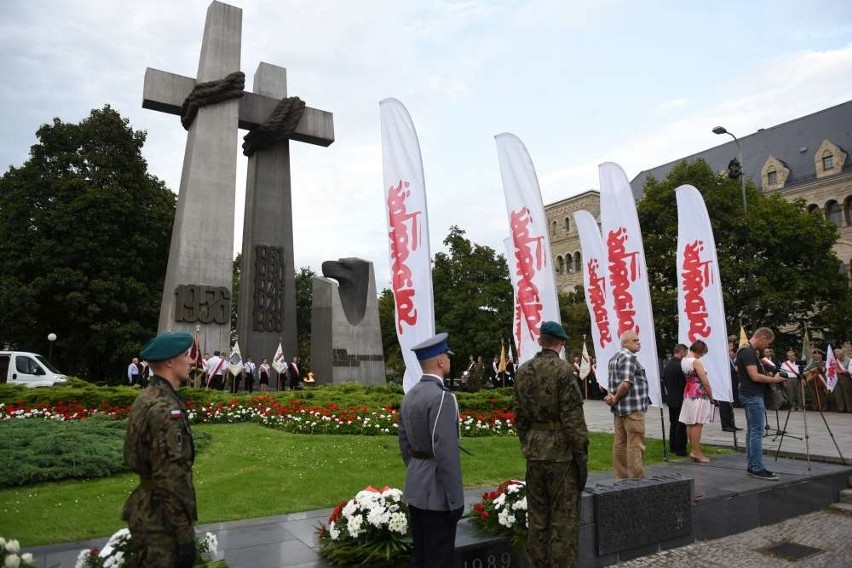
(569, 263)
(828, 162)
(567, 224)
(832, 213)
(554, 229)
(812, 208)
(25, 365)
(560, 265)
(847, 209)
(578, 261)
(771, 177)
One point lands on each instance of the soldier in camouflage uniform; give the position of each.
(161, 511)
(555, 442)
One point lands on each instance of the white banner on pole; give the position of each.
(531, 258)
(408, 232)
(627, 274)
(235, 360)
(523, 344)
(700, 307)
(598, 295)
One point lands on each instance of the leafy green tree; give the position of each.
(473, 297)
(576, 321)
(304, 306)
(85, 243)
(776, 262)
(390, 343)
(236, 275)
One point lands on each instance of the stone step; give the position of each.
(846, 495)
(843, 507)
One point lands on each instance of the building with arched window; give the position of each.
(805, 158)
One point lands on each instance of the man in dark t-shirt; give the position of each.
(753, 380)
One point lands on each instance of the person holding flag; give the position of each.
(844, 381)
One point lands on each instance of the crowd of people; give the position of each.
(213, 373)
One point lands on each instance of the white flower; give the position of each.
(350, 508)
(398, 523)
(13, 546)
(212, 543)
(81, 558)
(505, 518)
(27, 558)
(500, 501)
(354, 526)
(12, 561)
(333, 531)
(378, 517)
(513, 488)
(521, 505)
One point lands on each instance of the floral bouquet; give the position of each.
(504, 511)
(370, 528)
(11, 559)
(117, 553)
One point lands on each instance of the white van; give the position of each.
(28, 369)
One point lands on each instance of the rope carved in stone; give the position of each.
(212, 92)
(279, 127)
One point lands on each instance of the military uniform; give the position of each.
(161, 511)
(554, 440)
(428, 442)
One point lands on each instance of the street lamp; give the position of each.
(51, 337)
(722, 130)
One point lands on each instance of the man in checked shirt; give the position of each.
(628, 397)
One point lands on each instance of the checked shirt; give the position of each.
(625, 366)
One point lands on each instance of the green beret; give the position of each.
(166, 346)
(554, 329)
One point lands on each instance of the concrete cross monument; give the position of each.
(197, 288)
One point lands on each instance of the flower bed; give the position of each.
(371, 527)
(292, 416)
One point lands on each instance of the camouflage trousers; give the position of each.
(153, 548)
(553, 514)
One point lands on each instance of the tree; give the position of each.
(304, 307)
(776, 263)
(473, 297)
(85, 240)
(236, 276)
(390, 343)
(575, 319)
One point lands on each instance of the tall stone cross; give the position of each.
(197, 288)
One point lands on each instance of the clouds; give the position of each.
(579, 82)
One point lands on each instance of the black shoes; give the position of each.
(729, 429)
(763, 474)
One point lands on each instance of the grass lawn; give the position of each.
(248, 470)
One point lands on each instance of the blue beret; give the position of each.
(554, 329)
(432, 347)
(166, 346)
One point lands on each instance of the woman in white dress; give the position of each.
(697, 409)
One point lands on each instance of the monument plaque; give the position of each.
(634, 513)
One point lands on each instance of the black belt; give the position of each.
(546, 426)
(421, 455)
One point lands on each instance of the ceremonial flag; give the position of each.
(278, 361)
(627, 274)
(807, 349)
(598, 294)
(701, 309)
(830, 369)
(743, 336)
(530, 258)
(235, 360)
(585, 362)
(501, 366)
(408, 232)
(195, 352)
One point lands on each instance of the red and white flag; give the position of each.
(195, 353)
(408, 232)
(701, 309)
(830, 369)
(598, 296)
(279, 363)
(530, 260)
(627, 274)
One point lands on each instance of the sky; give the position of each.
(580, 82)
